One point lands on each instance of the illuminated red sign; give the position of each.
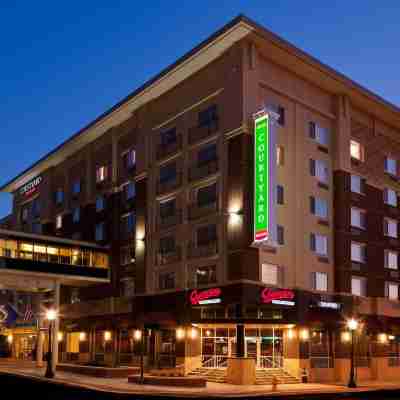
(30, 187)
(209, 296)
(278, 296)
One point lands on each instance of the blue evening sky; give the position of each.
(64, 63)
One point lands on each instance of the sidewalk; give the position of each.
(116, 385)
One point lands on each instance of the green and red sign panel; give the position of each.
(264, 179)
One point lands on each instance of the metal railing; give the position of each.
(270, 362)
(209, 361)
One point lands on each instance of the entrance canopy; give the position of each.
(34, 262)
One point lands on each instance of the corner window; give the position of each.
(358, 218)
(392, 291)
(270, 274)
(319, 244)
(320, 281)
(390, 227)
(358, 286)
(391, 166)
(101, 173)
(319, 207)
(390, 197)
(357, 184)
(391, 259)
(358, 252)
(356, 150)
(319, 134)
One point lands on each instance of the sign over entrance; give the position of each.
(278, 296)
(30, 187)
(209, 296)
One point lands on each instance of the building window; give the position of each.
(390, 197)
(356, 150)
(319, 169)
(167, 245)
(168, 172)
(168, 138)
(36, 207)
(129, 159)
(59, 196)
(357, 184)
(319, 134)
(128, 285)
(207, 154)
(167, 208)
(127, 255)
(358, 286)
(391, 259)
(392, 290)
(358, 218)
(271, 274)
(390, 227)
(280, 111)
(391, 166)
(207, 195)
(75, 298)
(280, 156)
(319, 244)
(76, 215)
(319, 207)
(99, 232)
(320, 281)
(76, 188)
(59, 221)
(205, 275)
(37, 228)
(130, 190)
(280, 233)
(101, 173)
(208, 116)
(166, 280)
(358, 252)
(25, 213)
(280, 194)
(206, 235)
(128, 224)
(100, 203)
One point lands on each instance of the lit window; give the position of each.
(392, 291)
(390, 227)
(59, 196)
(99, 232)
(270, 274)
(130, 190)
(319, 244)
(101, 173)
(280, 155)
(390, 197)
(128, 287)
(129, 159)
(319, 207)
(356, 150)
(358, 286)
(319, 169)
(319, 134)
(205, 275)
(358, 218)
(127, 255)
(357, 184)
(280, 198)
(100, 203)
(391, 259)
(358, 252)
(320, 281)
(390, 166)
(24, 214)
(59, 219)
(76, 187)
(166, 280)
(76, 216)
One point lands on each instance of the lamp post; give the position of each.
(352, 324)
(51, 316)
(139, 336)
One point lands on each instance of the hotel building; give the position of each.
(211, 255)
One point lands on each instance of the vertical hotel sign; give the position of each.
(264, 179)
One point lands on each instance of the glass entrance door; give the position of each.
(271, 354)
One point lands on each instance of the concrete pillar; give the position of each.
(40, 333)
(240, 341)
(56, 324)
(258, 351)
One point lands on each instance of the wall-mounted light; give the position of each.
(107, 336)
(180, 333)
(208, 332)
(10, 339)
(382, 338)
(391, 337)
(137, 335)
(193, 333)
(352, 324)
(60, 336)
(290, 333)
(82, 336)
(304, 334)
(345, 337)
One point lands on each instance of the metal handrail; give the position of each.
(271, 362)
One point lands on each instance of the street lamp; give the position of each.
(138, 335)
(51, 316)
(352, 324)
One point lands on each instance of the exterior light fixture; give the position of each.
(10, 339)
(382, 338)
(82, 336)
(193, 333)
(180, 333)
(304, 334)
(352, 324)
(137, 335)
(208, 332)
(107, 336)
(391, 337)
(51, 314)
(60, 336)
(290, 333)
(346, 337)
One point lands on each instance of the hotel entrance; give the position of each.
(263, 343)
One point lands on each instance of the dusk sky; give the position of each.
(64, 64)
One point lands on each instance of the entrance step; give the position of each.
(263, 376)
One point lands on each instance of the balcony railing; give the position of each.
(198, 133)
(169, 257)
(169, 149)
(202, 250)
(202, 171)
(169, 185)
(196, 211)
(170, 220)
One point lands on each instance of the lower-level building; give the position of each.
(298, 332)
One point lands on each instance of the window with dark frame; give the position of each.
(167, 208)
(168, 172)
(206, 235)
(168, 137)
(208, 116)
(167, 244)
(207, 154)
(206, 195)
